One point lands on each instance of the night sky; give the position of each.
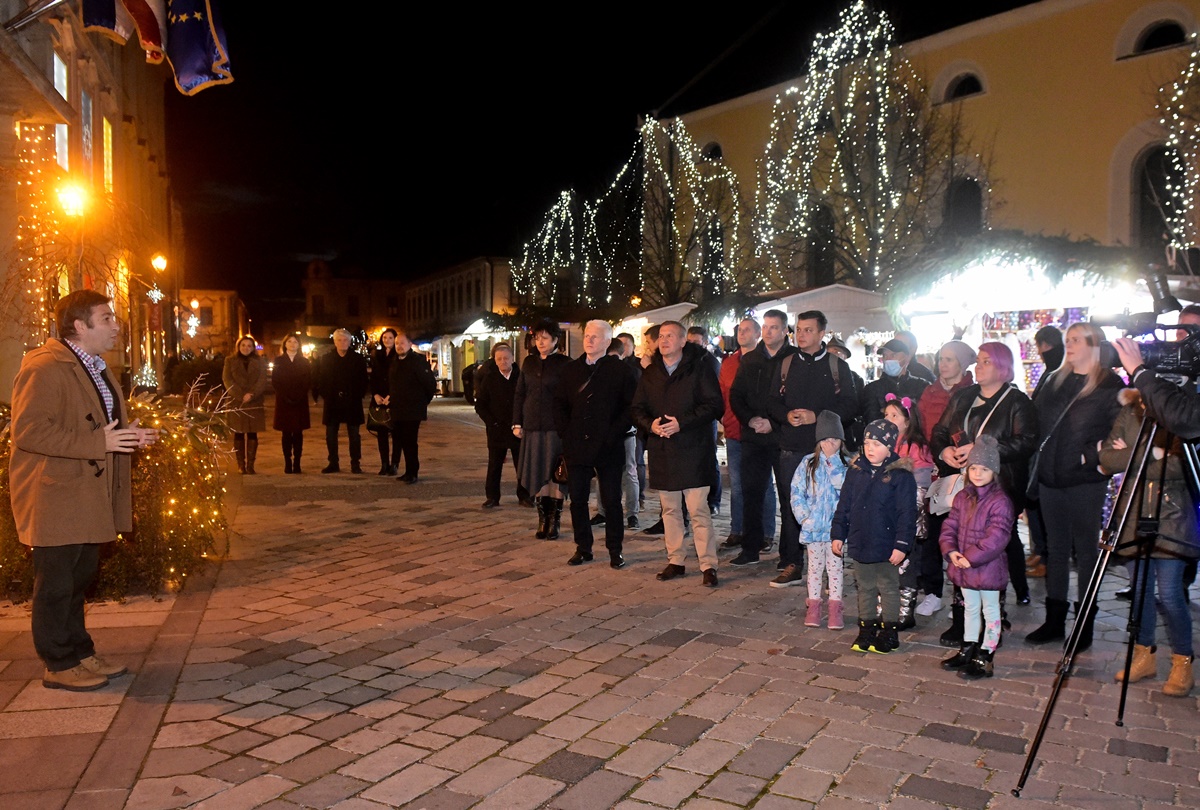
(398, 144)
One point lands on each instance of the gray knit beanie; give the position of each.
(829, 426)
(986, 453)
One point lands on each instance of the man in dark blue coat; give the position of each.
(592, 417)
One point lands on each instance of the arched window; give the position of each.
(1152, 203)
(1162, 34)
(964, 207)
(963, 86)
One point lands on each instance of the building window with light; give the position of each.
(85, 132)
(108, 157)
(60, 77)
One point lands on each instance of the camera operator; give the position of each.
(1177, 409)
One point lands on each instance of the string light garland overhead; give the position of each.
(1179, 111)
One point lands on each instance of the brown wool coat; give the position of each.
(241, 379)
(65, 488)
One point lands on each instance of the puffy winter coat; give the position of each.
(877, 510)
(693, 396)
(814, 500)
(978, 527)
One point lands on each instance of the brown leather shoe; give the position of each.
(710, 578)
(75, 679)
(100, 666)
(1037, 572)
(670, 572)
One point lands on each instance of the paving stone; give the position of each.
(512, 728)
(669, 787)
(1136, 750)
(642, 758)
(946, 793)
(437, 799)
(314, 764)
(327, 791)
(236, 770)
(567, 767)
(407, 785)
(735, 788)
(173, 761)
(600, 789)
(172, 791)
(951, 734)
(673, 638)
(1001, 742)
(682, 729)
(253, 794)
(384, 762)
(494, 706)
(488, 776)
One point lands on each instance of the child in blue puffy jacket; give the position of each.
(816, 486)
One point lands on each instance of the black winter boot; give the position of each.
(239, 451)
(1054, 628)
(953, 637)
(543, 507)
(961, 658)
(887, 638)
(555, 518)
(908, 599)
(979, 667)
(866, 636)
(287, 454)
(297, 449)
(251, 453)
(1085, 635)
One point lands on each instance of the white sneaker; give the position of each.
(930, 605)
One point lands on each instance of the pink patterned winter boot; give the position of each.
(813, 617)
(835, 614)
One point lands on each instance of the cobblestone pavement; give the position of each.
(368, 644)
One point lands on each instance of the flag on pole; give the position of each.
(196, 45)
(187, 33)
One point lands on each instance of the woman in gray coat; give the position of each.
(245, 378)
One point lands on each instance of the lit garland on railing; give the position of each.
(37, 232)
(853, 139)
(1179, 107)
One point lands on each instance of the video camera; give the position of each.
(1160, 356)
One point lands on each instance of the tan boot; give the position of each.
(1144, 665)
(1180, 681)
(75, 679)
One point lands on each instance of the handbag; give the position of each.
(378, 417)
(943, 490)
(559, 475)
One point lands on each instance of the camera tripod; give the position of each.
(1129, 495)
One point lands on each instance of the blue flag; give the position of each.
(196, 45)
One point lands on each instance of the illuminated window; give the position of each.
(60, 76)
(85, 132)
(108, 157)
(62, 141)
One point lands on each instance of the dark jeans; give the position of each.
(608, 473)
(790, 550)
(714, 494)
(405, 434)
(495, 468)
(1072, 517)
(331, 442)
(1037, 529)
(386, 458)
(1015, 552)
(640, 452)
(758, 460)
(61, 576)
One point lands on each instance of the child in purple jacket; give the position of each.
(973, 540)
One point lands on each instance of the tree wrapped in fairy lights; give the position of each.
(858, 162)
(1179, 114)
(671, 227)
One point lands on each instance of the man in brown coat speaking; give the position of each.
(69, 478)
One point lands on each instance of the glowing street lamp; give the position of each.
(158, 262)
(74, 200)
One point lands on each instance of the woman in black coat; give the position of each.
(381, 362)
(993, 405)
(1076, 410)
(533, 424)
(411, 386)
(291, 377)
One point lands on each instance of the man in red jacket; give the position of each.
(748, 334)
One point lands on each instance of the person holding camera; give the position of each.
(1076, 409)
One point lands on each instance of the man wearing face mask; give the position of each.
(895, 380)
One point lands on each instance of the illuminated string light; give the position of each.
(1177, 105)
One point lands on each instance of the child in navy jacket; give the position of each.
(876, 522)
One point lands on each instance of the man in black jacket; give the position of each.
(675, 404)
(341, 379)
(411, 386)
(809, 381)
(494, 404)
(756, 372)
(896, 380)
(592, 417)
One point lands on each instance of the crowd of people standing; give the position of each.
(916, 475)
